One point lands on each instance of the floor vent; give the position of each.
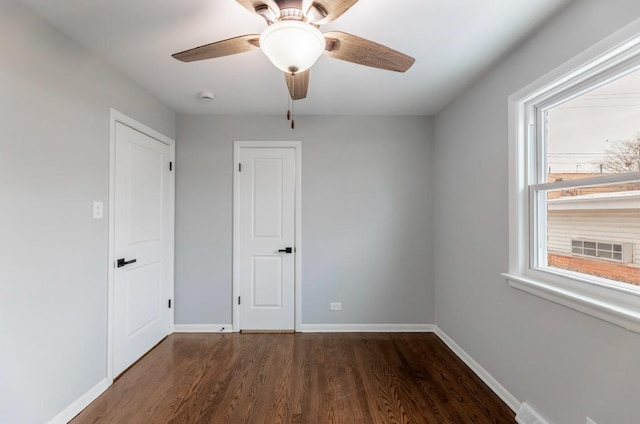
(528, 415)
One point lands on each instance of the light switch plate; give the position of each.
(335, 306)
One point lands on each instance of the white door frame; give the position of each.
(114, 117)
(297, 146)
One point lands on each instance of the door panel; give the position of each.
(141, 208)
(146, 197)
(267, 282)
(143, 297)
(267, 225)
(267, 201)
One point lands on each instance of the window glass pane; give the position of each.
(594, 230)
(604, 246)
(595, 133)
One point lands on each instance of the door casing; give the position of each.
(297, 146)
(115, 116)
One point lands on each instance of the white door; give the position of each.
(266, 190)
(142, 281)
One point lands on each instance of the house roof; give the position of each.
(597, 201)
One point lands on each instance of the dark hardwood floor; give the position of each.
(298, 378)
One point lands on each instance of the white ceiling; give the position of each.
(452, 41)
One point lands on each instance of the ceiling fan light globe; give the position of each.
(292, 46)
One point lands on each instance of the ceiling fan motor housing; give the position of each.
(291, 15)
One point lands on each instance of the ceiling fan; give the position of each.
(293, 42)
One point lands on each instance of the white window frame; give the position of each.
(614, 302)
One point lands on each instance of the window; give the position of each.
(575, 185)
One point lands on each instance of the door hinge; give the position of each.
(238, 300)
(239, 167)
(170, 166)
(169, 303)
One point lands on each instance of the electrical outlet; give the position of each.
(335, 306)
(98, 210)
(590, 421)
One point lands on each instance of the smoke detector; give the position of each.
(206, 96)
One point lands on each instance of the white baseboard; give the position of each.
(202, 328)
(367, 328)
(528, 415)
(316, 328)
(82, 402)
(484, 375)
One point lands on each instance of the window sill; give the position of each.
(622, 309)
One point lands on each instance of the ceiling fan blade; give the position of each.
(351, 48)
(321, 12)
(298, 84)
(258, 6)
(241, 44)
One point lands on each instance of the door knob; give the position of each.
(121, 262)
(286, 250)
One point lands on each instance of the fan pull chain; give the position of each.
(293, 102)
(288, 106)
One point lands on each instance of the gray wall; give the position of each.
(566, 364)
(54, 155)
(366, 216)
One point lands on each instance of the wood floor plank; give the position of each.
(298, 379)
